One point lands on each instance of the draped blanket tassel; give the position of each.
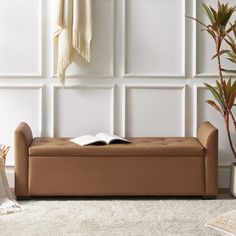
(73, 33)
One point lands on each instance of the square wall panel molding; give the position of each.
(85, 109)
(153, 110)
(19, 103)
(21, 38)
(149, 48)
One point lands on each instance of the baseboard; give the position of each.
(224, 172)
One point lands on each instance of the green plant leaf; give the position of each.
(221, 95)
(216, 95)
(211, 32)
(231, 100)
(213, 104)
(208, 13)
(230, 28)
(233, 87)
(198, 21)
(220, 90)
(220, 53)
(215, 15)
(231, 58)
(233, 26)
(224, 86)
(229, 71)
(231, 43)
(228, 90)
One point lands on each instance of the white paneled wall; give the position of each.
(19, 103)
(145, 120)
(21, 38)
(144, 24)
(145, 78)
(79, 110)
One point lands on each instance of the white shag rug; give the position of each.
(7, 201)
(115, 217)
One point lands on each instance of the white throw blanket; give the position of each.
(73, 32)
(7, 201)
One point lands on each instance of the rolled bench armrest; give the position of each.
(22, 140)
(207, 135)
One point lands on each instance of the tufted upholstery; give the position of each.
(145, 167)
(138, 147)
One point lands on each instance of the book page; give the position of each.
(109, 138)
(86, 140)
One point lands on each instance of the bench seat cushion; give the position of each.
(139, 147)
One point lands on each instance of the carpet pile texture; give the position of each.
(80, 216)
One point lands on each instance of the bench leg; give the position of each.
(22, 198)
(211, 197)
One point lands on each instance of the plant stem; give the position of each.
(233, 118)
(230, 139)
(227, 111)
(218, 46)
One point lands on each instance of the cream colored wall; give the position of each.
(145, 77)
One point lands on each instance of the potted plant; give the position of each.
(224, 92)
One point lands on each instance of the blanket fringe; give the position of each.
(82, 45)
(9, 206)
(63, 62)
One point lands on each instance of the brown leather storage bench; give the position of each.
(146, 167)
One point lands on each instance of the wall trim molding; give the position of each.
(40, 55)
(152, 86)
(111, 87)
(40, 88)
(125, 74)
(196, 87)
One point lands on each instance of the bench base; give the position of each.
(209, 197)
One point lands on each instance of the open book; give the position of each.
(98, 139)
